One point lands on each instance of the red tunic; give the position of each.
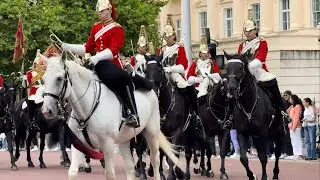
(193, 69)
(32, 89)
(110, 36)
(1, 81)
(132, 61)
(260, 52)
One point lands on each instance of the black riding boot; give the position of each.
(193, 100)
(132, 113)
(273, 88)
(32, 109)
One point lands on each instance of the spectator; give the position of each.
(3, 141)
(295, 112)
(309, 124)
(233, 135)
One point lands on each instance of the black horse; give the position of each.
(55, 126)
(7, 103)
(253, 114)
(176, 119)
(214, 110)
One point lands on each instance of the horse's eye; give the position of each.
(60, 78)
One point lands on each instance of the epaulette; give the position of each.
(262, 39)
(117, 24)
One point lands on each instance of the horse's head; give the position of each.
(236, 71)
(10, 97)
(155, 73)
(57, 84)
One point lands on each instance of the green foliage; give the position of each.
(70, 20)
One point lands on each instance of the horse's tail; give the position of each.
(53, 139)
(166, 146)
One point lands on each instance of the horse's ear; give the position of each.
(226, 55)
(43, 58)
(64, 56)
(244, 57)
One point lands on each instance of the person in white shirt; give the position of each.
(309, 124)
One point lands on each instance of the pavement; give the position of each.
(289, 170)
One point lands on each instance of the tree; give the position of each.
(70, 20)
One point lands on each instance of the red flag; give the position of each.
(19, 49)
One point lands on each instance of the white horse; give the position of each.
(66, 79)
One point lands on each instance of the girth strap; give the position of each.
(86, 137)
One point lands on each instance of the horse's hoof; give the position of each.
(81, 169)
(203, 172)
(137, 173)
(30, 164)
(187, 176)
(143, 177)
(87, 170)
(179, 173)
(162, 177)
(14, 167)
(196, 171)
(103, 164)
(67, 165)
(210, 173)
(224, 176)
(150, 172)
(43, 166)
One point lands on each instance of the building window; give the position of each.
(178, 29)
(285, 14)
(256, 14)
(316, 12)
(228, 22)
(203, 22)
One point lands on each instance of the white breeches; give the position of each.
(181, 83)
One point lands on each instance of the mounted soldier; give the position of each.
(175, 63)
(257, 50)
(202, 70)
(138, 62)
(107, 38)
(32, 81)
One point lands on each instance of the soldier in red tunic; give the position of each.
(175, 63)
(202, 70)
(257, 50)
(106, 39)
(32, 81)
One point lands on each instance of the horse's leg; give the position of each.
(124, 149)
(42, 144)
(223, 144)
(202, 154)
(188, 155)
(196, 168)
(9, 136)
(31, 134)
(261, 145)
(66, 160)
(17, 144)
(243, 143)
(141, 169)
(76, 157)
(209, 172)
(154, 153)
(108, 151)
(87, 166)
(277, 151)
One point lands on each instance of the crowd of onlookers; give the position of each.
(304, 131)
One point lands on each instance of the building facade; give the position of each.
(291, 28)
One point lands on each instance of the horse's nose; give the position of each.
(47, 112)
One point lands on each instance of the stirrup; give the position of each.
(226, 125)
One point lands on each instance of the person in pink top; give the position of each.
(295, 112)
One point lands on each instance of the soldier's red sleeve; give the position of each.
(192, 70)
(1, 81)
(132, 61)
(117, 40)
(240, 48)
(182, 58)
(262, 52)
(216, 68)
(90, 45)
